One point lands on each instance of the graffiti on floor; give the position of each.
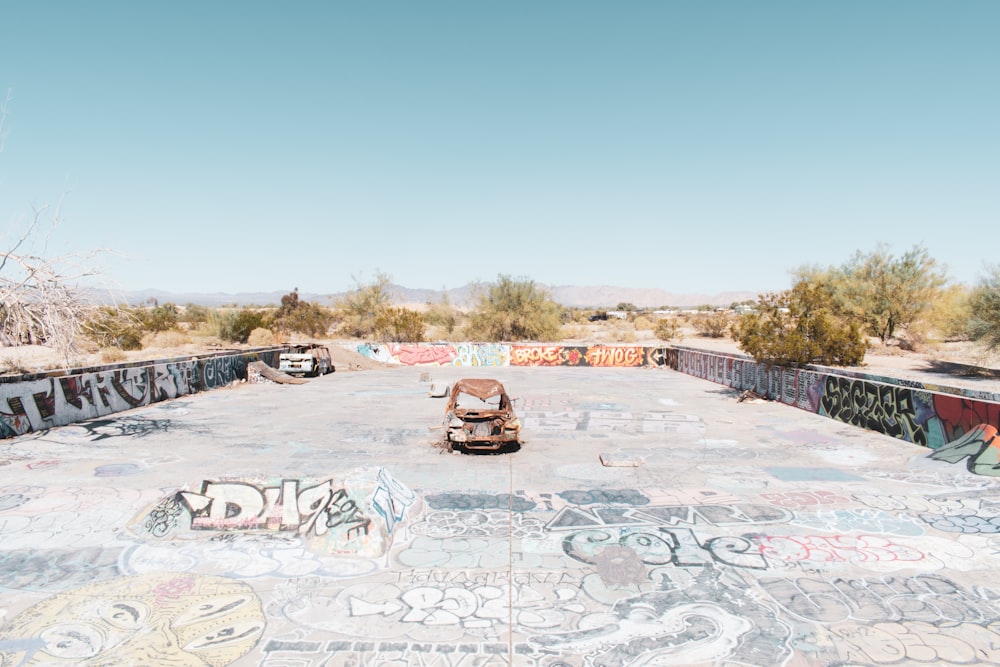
(613, 421)
(356, 515)
(308, 509)
(584, 576)
(148, 619)
(57, 569)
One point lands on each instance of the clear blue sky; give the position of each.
(689, 146)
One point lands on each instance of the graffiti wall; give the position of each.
(506, 354)
(38, 402)
(959, 425)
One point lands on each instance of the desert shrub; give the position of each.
(400, 325)
(712, 325)
(623, 332)
(192, 313)
(358, 310)
(443, 316)
(668, 329)
(261, 337)
(111, 326)
(159, 318)
(113, 355)
(306, 317)
(797, 327)
(514, 309)
(572, 331)
(643, 323)
(235, 325)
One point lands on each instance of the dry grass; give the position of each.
(112, 355)
(165, 339)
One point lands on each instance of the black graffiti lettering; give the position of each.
(887, 409)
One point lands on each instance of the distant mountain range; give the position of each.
(603, 296)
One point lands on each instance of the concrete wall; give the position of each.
(35, 402)
(959, 424)
(508, 354)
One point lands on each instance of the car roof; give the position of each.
(481, 388)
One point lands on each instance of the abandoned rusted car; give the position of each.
(480, 417)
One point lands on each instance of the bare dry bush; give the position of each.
(623, 332)
(573, 331)
(12, 365)
(669, 328)
(643, 323)
(714, 325)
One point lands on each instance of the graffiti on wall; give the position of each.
(958, 428)
(44, 402)
(502, 354)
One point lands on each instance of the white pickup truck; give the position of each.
(311, 360)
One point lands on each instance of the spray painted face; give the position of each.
(161, 619)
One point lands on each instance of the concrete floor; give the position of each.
(649, 519)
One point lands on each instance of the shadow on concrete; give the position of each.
(966, 371)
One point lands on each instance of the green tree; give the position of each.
(359, 310)
(984, 308)
(886, 293)
(798, 326)
(948, 318)
(514, 309)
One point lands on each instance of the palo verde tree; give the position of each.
(797, 327)
(358, 311)
(367, 312)
(887, 293)
(513, 309)
(984, 309)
